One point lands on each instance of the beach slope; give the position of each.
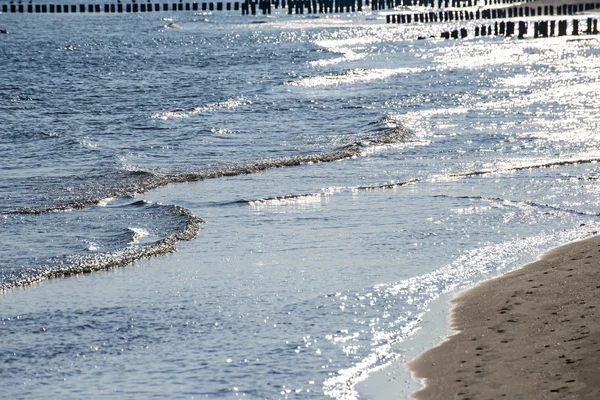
(533, 333)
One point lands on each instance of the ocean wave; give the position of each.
(76, 205)
(101, 261)
(137, 234)
(141, 180)
(525, 203)
(147, 180)
(109, 195)
(297, 198)
(287, 199)
(106, 201)
(346, 47)
(525, 166)
(391, 185)
(351, 76)
(210, 107)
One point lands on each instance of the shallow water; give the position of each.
(324, 179)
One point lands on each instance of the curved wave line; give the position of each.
(389, 185)
(524, 167)
(120, 258)
(300, 196)
(148, 180)
(529, 203)
(227, 104)
(351, 76)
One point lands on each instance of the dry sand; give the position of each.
(531, 334)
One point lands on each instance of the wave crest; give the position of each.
(210, 107)
(351, 76)
(76, 265)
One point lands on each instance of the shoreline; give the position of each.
(531, 333)
(394, 382)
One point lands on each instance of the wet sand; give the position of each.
(533, 333)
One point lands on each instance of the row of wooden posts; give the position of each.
(319, 6)
(118, 8)
(457, 3)
(489, 13)
(246, 6)
(309, 6)
(520, 28)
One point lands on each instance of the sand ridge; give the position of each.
(533, 333)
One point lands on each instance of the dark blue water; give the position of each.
(276, 204)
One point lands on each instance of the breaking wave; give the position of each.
(140, 180)
(525, 203)
(210, 107)
(315, 197)
(136, 180)
(526, 166)
(76, 264)
(351, 76)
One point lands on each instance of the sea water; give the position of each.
(223, 208)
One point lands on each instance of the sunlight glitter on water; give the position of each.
(383, 171)
(210, 107)
(351, 77)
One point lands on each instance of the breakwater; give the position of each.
(531, 19)
(246, 7)
(522, 29)
(517, 11)
(118, 7)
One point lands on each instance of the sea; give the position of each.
(211, 205)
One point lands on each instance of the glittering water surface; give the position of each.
(324, 179)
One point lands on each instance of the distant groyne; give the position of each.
(536, 19)
(511, 11)
(522, 29)
(117, 8)
(246, 6)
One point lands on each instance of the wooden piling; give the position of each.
(522, 29)
(510, 28)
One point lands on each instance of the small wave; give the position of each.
(388, 185)
(75, 205)
(346, 47)
(137, 234)
(524, 203)
(104, 202)
(115, 259)
(210, 107)
(287, 199)
(251, 167)
(148, 180)
(314, 197)
(46, 209)
(392, 132)
(525, 167)
(351, 76)
(142, 180)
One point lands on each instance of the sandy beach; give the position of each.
(530, 334)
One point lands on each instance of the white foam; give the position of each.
(105, 202)
(210, 107)
(352, 76)
(138, 233)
